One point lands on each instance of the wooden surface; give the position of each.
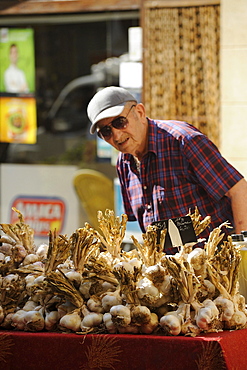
(13, 7)
(178, 3)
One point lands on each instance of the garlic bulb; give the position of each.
(34, 321)
(109, 324)
(110, 299)
(120, 315)
(30, 305)
(125, 265)
(207, 288)
(71, 321)
(226, 308)
(6, 248)
(146, 290)
(29, 280)
(94, 304)
(156, 274)
(1, 314)
(51, 320)
(172, 323)
(206, 314)
(135, 262)
(2, 257)
(29, 259)
(84, 288)
(7, 322)
(19, 253)
(9, 280)
(165, 286)
(150, 326)
(106, 286)
(140, 315)
(41, 251)
(238, 321)
(91, 320)
(18, 320)
(197, 260)
(65, 308)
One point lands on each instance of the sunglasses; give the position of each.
(120, 123)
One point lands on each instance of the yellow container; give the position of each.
(243, 273)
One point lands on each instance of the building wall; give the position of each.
(234, 82)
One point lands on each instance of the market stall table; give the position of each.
(49, 351)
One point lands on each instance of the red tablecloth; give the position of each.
(51, 351)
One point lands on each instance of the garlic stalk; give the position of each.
(58, 251)
(113, 229)
(199, 225)
(83, 245)
(74, 277)
(150, 252)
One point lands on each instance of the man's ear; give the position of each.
(140, 109)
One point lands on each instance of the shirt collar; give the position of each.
(152, 136)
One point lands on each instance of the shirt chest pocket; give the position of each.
(176, 200)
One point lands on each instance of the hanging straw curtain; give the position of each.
(181, 64)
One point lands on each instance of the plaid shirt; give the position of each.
(182, 169)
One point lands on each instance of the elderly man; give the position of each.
(165, 167)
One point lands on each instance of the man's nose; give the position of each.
(116, 134)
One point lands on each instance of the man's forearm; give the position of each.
(238, 196)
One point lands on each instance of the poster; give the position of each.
(45, 196)
(18, 120)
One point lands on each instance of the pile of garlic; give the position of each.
(87, 283)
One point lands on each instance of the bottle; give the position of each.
(238, 239)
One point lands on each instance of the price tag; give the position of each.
(185, 231)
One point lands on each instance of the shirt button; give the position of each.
(145, 187)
